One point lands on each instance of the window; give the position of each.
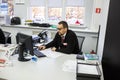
(75, 15)
(54, 14)
(54, 10)
(73, 11)
(38, 14)
(37, 10)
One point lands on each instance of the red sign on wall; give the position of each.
(98, 10)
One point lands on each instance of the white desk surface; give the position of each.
(45, 68)
(57, 66)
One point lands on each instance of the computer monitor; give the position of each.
(25, 45)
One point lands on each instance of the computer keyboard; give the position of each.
(38, 53)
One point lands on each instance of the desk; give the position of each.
(45, 68)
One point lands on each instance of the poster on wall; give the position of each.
(4, 1)
(4, 8)
(7, 7)
(10, 7)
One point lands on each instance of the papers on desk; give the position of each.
(88, 61)
(5, 52)
(38, 44)
(51, 54)
(9, 47)
(69, 66)
(8, 50)
(88, 72)
(87, 69)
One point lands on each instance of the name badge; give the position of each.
(65, 44)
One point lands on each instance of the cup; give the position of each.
(34, 59)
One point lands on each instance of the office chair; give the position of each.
(80, 41)
(7, 37)
(4, 37)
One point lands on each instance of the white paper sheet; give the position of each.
(70, 66)
(87, 69)
(52, 54)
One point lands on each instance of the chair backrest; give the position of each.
(2, 37)
(80, 41)
(7, 35)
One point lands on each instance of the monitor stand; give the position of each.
(21, 54)
(23, 59)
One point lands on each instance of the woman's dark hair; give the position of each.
(64, 23)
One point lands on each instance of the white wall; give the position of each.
(103, 23)
(96, 16)
(88, 12)
(21, 9)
